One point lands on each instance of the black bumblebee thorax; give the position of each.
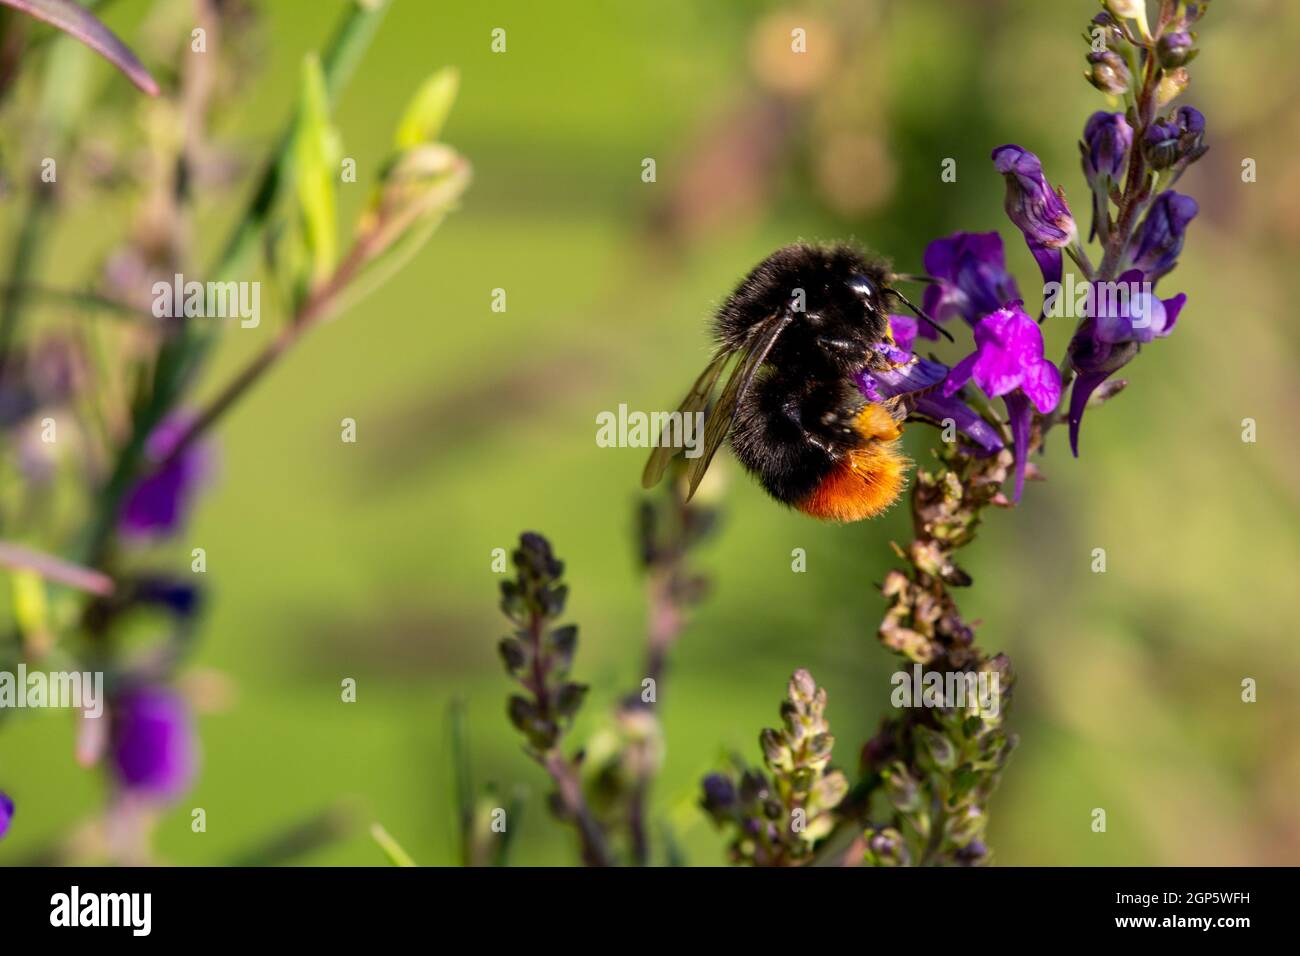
(833, 296)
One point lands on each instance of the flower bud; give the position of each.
(719, 793)
(973, 853)
(1040, 211)
(1160, 237)
(802, 685)
(902, 789)
(1107, 138)
(513, 654)
(753, 787)
(569, 697)
(1172, 85)
(774, 749)
(1109, 73)
(1131, 10)
(937, 748)
(1175, 49)
(965, 826)
(1179, 138)
(1109, 30)
(886, 847)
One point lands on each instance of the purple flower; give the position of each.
(1140, 317)
(1008, 356)
(973, 278)
(1177, 139)
(160, 502)
(904, 328)
(6, 813)
(1109, 340)
(153, 744)
(1106, 141)
(1159, 238)
(1038, 210)
(1008, 363)
(916, 381)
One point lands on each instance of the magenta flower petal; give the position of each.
(6, 813)
(1008, 356)
(1042, 385)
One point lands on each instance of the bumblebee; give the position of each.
(797, 331)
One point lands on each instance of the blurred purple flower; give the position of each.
(1175, 48)
(1038, 210)
(153, 746)
(6, 813)
(159, 503)
(1108, 341)
(1008, 363)
(719, 793)
(1159, 238)
(973, 278)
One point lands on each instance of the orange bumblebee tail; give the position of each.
(869, 479)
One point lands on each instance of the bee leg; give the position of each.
(844, 346)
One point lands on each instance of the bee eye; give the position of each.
(863, 287)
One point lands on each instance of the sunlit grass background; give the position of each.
(330, 560)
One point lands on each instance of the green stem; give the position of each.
(182, 355)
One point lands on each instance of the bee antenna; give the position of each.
(920, 314)
(914, 277)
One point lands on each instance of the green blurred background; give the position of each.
(330, 560)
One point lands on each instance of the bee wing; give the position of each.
(718, 422)
(696, 400)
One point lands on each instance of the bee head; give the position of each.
(837, 298)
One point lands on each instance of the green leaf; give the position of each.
(404, 214)
(81, 24)
(428, 110)
(315, 155)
